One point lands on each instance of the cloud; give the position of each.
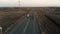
(39, 3)
(29, 3)
(5, 3)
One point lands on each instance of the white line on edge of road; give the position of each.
(26, 26)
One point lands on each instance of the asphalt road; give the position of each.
(28, 25)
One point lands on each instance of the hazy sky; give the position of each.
(29, 3)
(8, 3)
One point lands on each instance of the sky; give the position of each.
(9, 3)
(29, 3)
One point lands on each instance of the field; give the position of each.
(48, 18)
(9, 16)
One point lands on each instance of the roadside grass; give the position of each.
(7, 18)
(56, 13)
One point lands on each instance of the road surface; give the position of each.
(28, 25)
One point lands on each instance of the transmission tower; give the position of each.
(19, 3)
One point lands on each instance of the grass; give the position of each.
(8, 17)
(56, 13)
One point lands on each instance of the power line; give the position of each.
(19, 3)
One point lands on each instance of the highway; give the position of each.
(27, 25)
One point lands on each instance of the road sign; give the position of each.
(0, 30)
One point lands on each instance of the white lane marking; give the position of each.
(26, 26)
(34, 27)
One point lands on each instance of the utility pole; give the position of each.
(18, 5)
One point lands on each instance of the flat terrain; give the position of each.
(8, 17)
(28, 25)
(45, 20)
(49, 21)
